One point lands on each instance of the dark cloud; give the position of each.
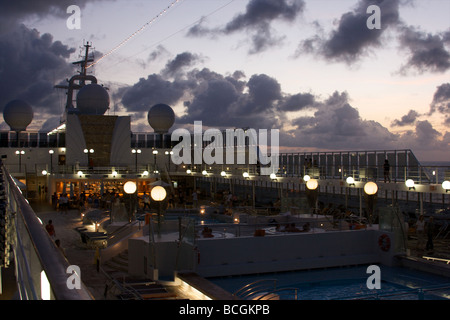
(426, 52)
(264, 11)
(407, 119)
(352, 38)
(30, 65)
(235, 101)
(257, 20)
(441, 101)
(228, 101)
(148, 92)
(181, 61)
(297, 102)
(338, 125)
(424, 138)
(13, 11)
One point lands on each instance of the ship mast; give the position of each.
(80, 78)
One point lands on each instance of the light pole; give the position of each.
(130, 189)
(136, 152)
(155, 152)
(20, 153)
(51, 152)
(169, 154)
(158, 194)
(89, 152)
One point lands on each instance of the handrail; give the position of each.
(50, 258)
(272, 295)
(253, 288)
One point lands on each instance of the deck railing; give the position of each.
(42, 271)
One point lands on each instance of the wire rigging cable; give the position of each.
(135, 33)
(173, 34)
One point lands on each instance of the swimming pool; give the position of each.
(348, 283)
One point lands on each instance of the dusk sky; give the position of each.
(310, 68)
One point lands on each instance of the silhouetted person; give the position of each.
(386, 167)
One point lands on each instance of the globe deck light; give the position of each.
(80, 173)
(410, 184)
(223, 173)
(245, 175)
(130, 187)
(204, 172)
(312, 184)
(188, 171)
(306, 178)
(370, 188)
(158, 193)
(350, 181)
(273, 176)
(446, 185)
(44, 172)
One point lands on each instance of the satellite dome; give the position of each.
(161, 118)
(92, 99)
(18, 115)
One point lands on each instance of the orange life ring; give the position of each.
(384, 242)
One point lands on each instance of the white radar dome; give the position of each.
(92, 99)
(161, 118)
(18, 115)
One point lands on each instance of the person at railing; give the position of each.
(63, 202)
(146, 199)
(55, 201)
(50, 229)
(386, 168)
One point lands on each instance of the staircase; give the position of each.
(117, 264)
(130, 288)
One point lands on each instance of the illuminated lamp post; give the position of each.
(370, 190)
(130, 189)
(312, 193)
(20, 154)
(158, 194)
(446, 185)
(168, 154)
(89, 152)
(51, 152)
(136, 152)
(155, 152)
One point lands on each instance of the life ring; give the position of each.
(384, 242)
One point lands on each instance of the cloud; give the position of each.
(256, 20)
(407, 119)
(147, 92)
(30, 65)
(181, 61)
(352, 39)
(441, 101)
(258, 101)
(338, 125)
(18, 10)
(426, 52)
(228, 101)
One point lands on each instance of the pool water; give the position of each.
(349, 283)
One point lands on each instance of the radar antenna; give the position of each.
(80, 78)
